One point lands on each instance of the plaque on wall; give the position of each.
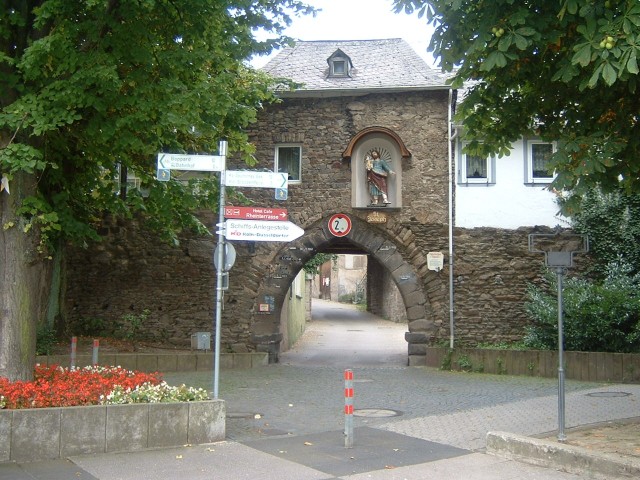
(377, 217)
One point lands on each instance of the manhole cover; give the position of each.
(376, 413)
(608, 394)
(244, 415)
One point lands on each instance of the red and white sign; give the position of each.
(339, 225)
(256, 213)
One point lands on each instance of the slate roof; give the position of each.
(385, 65)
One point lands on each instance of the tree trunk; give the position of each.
(24, 283)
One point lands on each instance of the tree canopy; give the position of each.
(566, 70)
(91, 89)
(90, 92)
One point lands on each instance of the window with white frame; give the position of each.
(539, 161)
(289, 160)
(476, 169)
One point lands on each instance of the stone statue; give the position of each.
(377, 172)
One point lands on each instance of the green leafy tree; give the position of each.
(93, 89)
(566, 70)
(612, 223)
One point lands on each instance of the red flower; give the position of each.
(55, 386)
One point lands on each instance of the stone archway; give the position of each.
(389, 251)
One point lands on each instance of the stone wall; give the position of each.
(131, 270)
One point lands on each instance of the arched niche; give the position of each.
(391, 149)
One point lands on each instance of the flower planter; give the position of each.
(48, 433)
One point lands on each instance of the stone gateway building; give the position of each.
(371, 155)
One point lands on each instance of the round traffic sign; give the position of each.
(339, 225)
(229, 257)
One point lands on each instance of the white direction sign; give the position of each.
(260, 230)
(201, 163)
(256, 179)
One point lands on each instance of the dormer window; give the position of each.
(339, 64)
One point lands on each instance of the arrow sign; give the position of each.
(201, 163)
(255, 178)
(261, 231)
(256, 213)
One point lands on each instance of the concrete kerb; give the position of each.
(567, 458)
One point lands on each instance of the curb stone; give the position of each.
(567, 458)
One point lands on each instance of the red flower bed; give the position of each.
(55, 386)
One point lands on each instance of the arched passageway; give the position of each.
(384, 248)
(341, 335)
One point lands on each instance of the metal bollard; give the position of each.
(348, 408)
(94, 356)
(74, 346)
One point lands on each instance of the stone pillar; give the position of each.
(268, 344)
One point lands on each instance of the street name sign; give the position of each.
(256, 179)
(260, 230)
(256, 213)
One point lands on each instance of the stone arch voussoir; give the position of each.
(290, 257)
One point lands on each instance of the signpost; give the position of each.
(256, 213)
(558, 254)
(257, 179)
(200, 163)
(246, 223)
(260, 230)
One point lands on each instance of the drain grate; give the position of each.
(608, 394)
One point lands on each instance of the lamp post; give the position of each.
(558, 254)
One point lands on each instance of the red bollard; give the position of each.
(348, 408)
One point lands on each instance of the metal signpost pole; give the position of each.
(561, 435)
(558, 254)
(219, 272)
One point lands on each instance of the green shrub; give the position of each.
(598, 316)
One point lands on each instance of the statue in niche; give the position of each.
(378, 171)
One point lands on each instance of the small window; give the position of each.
(288, 160)
(539, 161)
(339, 67)
(339, 64)
(476, 169)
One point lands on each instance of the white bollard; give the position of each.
(74, 346)
(94, 356)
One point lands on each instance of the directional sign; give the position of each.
(201, 163)
(255, 178)
(256, 213)
(261, 230)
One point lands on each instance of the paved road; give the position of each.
(303, 394)
(286, 421)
